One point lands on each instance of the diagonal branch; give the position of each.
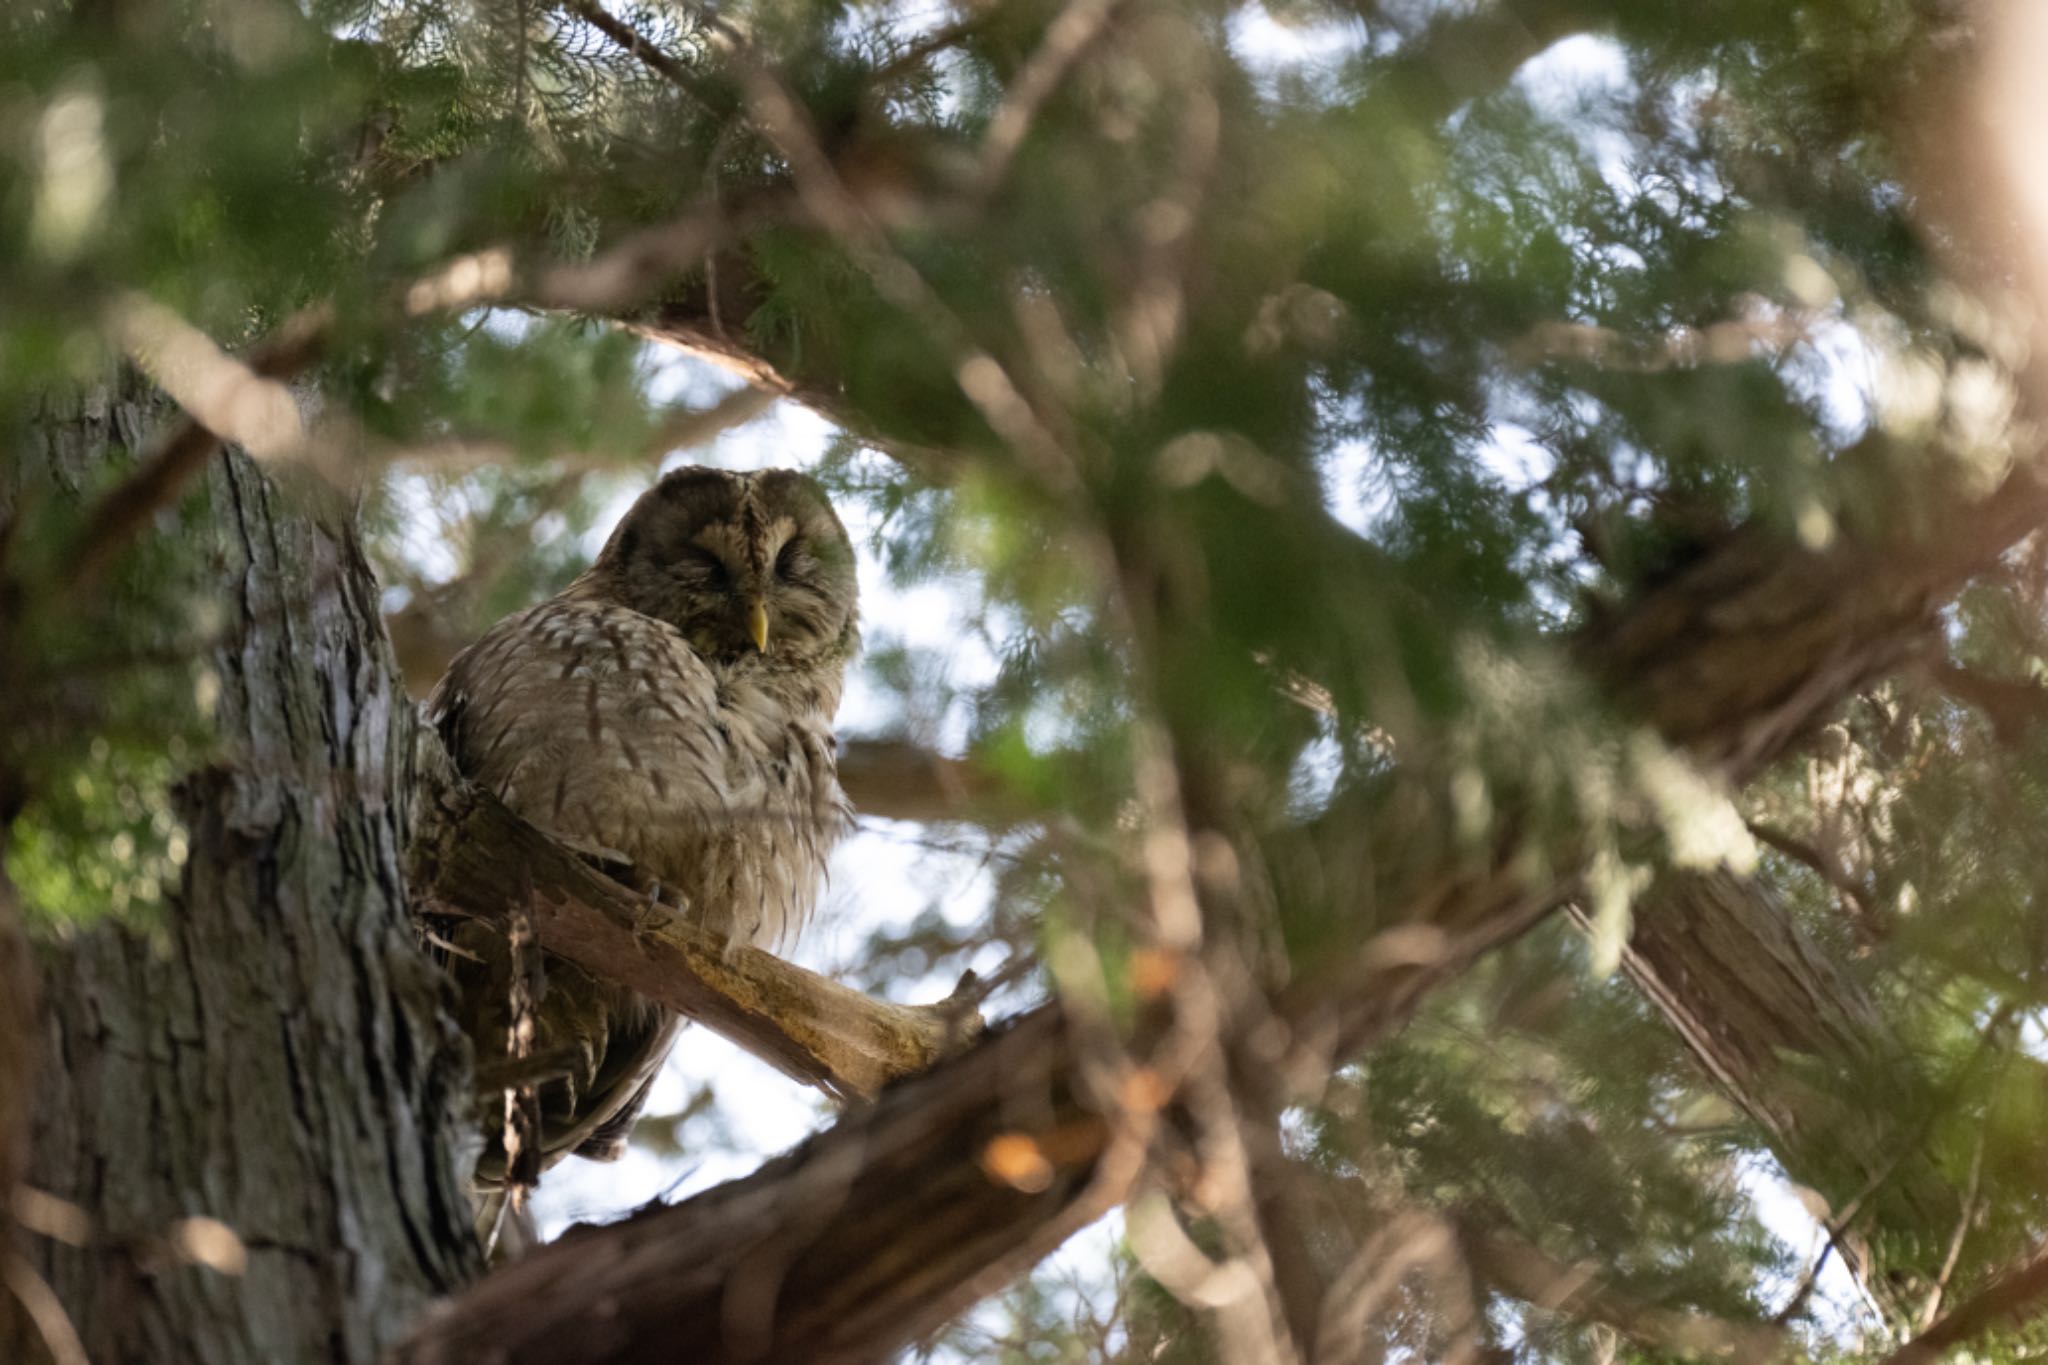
(868, 1235)
(2005, 1302)
(182, 453)
(472, 856)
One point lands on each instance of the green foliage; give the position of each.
(101, 719)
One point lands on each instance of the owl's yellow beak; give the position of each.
(757, 624)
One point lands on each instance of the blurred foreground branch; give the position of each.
(894, 779)
(2007, 1301)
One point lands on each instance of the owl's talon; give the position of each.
(601, 857)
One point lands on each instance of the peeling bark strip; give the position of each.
(868, 1236)
(275, 1054)
(475, 857)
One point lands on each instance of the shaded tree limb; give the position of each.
(869, 1235)
(1762, 1009)
(2006, 1301)
(1766, 1013)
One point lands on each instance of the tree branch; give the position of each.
(894, 779)
(472, 856)
(869, 1235)
(2006, 1301)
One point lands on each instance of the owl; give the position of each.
(669, 714)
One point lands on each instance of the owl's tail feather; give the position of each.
(607, 1141)
(504, 1226)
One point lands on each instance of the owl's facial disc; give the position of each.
(743, 565)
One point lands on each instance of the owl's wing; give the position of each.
(600, 726)
(596, 723)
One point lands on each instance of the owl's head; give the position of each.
(739, 563)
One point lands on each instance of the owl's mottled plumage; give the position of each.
(670, 710)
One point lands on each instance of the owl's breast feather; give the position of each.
(606, 728)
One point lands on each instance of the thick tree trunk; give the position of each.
(274, 1056)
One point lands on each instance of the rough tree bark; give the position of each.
(273, 1056)
(1785, 1033)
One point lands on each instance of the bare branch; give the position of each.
(867, 1236)
(53, 1325)
(894, 779)
(473, 856)
(629, 39)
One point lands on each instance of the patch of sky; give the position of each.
(1583, 83)
(1837, 1306)
(1836, 367)
(1355, 487)
(1313, 780)
(1309, 50)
